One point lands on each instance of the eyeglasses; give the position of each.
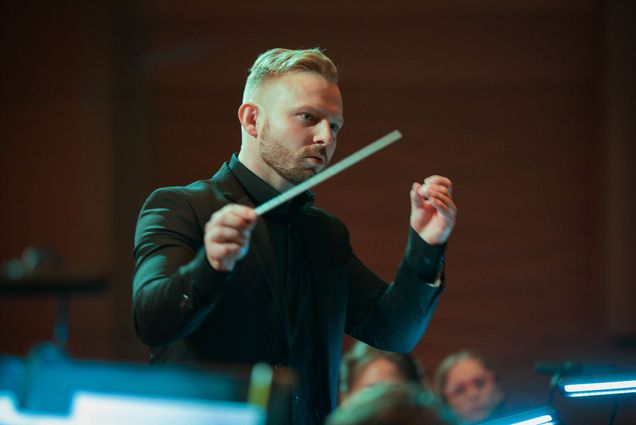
(478, 383)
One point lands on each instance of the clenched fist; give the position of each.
(227, 236)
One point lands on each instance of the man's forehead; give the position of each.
(304, 83)
(305, 89)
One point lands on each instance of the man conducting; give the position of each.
(215, 282)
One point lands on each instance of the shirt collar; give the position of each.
(259, 191)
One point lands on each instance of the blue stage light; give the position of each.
(108, 409)
(541, 416)
(602, 385)
(541, 420)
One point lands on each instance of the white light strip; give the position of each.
(600, 386)
(541, 420)
(599, 393)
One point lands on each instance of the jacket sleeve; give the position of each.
(174, 286)
(394, 317)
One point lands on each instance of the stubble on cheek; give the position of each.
(284, 161)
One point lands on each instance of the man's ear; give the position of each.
(247, 115)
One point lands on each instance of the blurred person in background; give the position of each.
(469, 386)
(364, 366)
(391, 404)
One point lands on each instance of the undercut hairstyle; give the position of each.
(362, 355)
(277, 62)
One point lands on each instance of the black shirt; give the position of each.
(295, 284)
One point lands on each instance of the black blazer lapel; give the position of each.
(262, 250)
(260, 244)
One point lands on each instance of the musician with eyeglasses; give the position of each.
(469, 386)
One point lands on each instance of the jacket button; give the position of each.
(185, 301)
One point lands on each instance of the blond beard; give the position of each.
(283, 160)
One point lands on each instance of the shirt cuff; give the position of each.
(427, 260)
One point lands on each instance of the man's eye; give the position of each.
(335, 127)
(307, 116)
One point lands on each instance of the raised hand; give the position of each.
(433, 211)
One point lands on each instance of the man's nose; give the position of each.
(324, 133)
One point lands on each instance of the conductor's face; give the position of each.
(302, 114)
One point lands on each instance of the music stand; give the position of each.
(62, 286)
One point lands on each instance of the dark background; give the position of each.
(528, 106)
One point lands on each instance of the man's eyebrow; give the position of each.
(308, 108)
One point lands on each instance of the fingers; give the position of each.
(437, 192)
(438, 180)
(226, 252)
(220, 234)
(227, 235)
(234, 216)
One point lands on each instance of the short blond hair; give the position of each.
(275, 63)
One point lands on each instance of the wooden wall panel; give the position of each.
(54, 167)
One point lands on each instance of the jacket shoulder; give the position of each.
(198, 200)
(202, 190)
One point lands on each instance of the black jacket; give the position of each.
(188, 312)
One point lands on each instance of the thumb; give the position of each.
(417, 200)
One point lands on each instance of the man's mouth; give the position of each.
(316, 159)
(315, 156)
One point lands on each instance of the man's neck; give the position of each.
(257, 166)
